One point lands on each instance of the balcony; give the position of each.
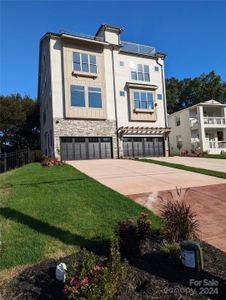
(216, 145)
(214, 121)
(137, 49)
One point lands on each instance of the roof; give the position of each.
(205, 103)
(109, 26)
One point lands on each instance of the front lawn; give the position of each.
(186, 168)
(47, 212)
(222, 156)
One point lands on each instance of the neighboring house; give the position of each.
(201, 127)
(101, 97)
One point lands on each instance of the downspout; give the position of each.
(115, 102)
(164, 100)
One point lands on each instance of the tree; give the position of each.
(19, 122)
(187, 92)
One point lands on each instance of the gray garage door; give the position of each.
(73, 148)
(140, 146)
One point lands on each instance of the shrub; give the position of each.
(48, 161)
(96, 281)
(181, 221)
(170, 250)
(128, 237)
(131, 236)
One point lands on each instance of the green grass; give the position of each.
(46, 211)
(221, 156)
(186, 168)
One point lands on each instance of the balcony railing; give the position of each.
(214, 120)
(137, 48)
(216, 144)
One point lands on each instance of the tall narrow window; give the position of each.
(93, 64)
(95, 97)
(77, 96)
(146, 73)
(85, 63)
(76, 61)
(140, 72)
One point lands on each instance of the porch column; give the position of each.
(202, 136)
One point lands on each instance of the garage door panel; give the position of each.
(80, 151)
(76, 148)
(140, 146)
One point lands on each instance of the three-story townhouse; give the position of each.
(101, 97)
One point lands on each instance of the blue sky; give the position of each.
(192, 33)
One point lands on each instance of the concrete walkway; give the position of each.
(145, 183)
(198, 162)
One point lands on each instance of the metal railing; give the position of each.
(216, 144)
(12, 160)
(214, 120)
(137, 48)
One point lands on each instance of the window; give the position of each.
(140, 72)
(159, 96)
(77, 96)
(121, 63)
(143, 100)
(178, 138)
(177, 121)
(122, 93)
(156, 69)
(84, 62)
(94, 97)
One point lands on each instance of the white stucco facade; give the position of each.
(114, 63)
(201, 127)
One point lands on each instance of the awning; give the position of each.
(143, 130)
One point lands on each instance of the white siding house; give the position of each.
(200, 127)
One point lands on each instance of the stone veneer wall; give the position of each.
(72, 127)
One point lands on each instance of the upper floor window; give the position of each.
(77, 96)
(143, 100)
(177, 121)
(121, 63)
(83, 62)
(94, 95)
(140, 72)
(156, 69)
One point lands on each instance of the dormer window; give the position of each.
(83, 62)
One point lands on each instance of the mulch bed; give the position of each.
(152, 275)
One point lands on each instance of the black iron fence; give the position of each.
(12, 160)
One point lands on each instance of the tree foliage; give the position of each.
(187, 92)
(19, 122)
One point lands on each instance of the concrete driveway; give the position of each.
(145, 183)
(198, 162)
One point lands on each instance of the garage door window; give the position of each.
(77, 96)
(94, 97)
